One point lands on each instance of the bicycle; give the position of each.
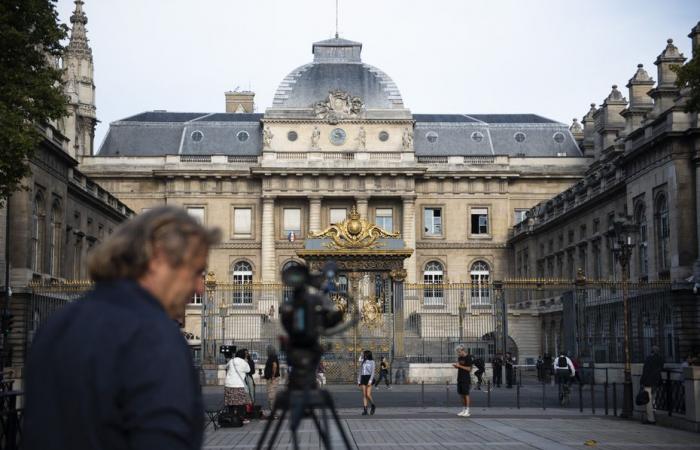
(564, 393)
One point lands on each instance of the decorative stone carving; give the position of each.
(354, 233)
(338, 105)
(315, 137)
(407, 139)
(398, 275)
(361, 139)
(267, 137)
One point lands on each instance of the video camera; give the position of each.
(309, 315)
(227, 350)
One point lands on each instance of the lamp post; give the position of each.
(621, 238)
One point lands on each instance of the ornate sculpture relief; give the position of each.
(407, 139)
(361, 139)
(338, 105)
(354, 233)
(315, 136)
(267, 137)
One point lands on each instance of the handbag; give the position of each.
(227, 420)
(642, 397)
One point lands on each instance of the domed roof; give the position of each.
(337, 66)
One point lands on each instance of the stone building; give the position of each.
(62, 213)
(338, 134)
(644, 171)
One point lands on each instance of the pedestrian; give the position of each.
(271, 373)
(142, 391)
(236, 395)
(250, 383)
(539, 365)
(383, 373)
(464, 378)
(651, 379)
(321, 373)
(497, 367)
(510, 370)
(364, 380)
(577, 370)
(563, 369)
(479, 373)
(547, 369)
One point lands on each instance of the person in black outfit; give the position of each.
(510, 372)
(383, 373)
(547, 370)
(480, 369)
(651, 379)
(464, 378)
(497, 365)
(112, 370)
(539, 365)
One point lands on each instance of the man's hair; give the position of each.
(127, 252)
(655, 349)
(271, 350)
(460, 348)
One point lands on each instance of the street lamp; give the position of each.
(621, 240)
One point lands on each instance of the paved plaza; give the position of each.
(493, 428)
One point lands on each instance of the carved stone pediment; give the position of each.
(338, 105)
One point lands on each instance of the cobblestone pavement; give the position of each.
(493, 428)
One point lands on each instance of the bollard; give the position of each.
(447, 393)
(517, 395)
(488, 394)
(544, 404)
(605, 397)
(593, 398)
(614, 395)
(580, 397)
(422, 394)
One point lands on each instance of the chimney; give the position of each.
(589, 132)
(240, 101)
(666, 91)
(577, 132)
(640, 102)
(695, 39)
(608, 121)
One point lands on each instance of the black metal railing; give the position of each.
(10, 417)
(670, 395)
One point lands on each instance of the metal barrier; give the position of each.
(10, 417)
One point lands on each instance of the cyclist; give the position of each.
(563, 372)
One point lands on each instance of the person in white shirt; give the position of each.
(364, 380)
(563, 369)
(235, 394)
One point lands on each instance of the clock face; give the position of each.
(337, 136)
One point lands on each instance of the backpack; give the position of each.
(561, 363)
(228, 420)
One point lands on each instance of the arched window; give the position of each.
(242, 277)
(480, 288)
(640, 217)
(433, 274)
(38, 232)
(55, 240)
(662, 232)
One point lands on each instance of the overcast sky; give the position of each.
(551, 58)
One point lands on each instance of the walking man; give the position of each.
(141, 390)
(480, 369)
(497, 366)
(464, 380)
(651, 379)
(272, 375)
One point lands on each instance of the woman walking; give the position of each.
(364, 380)
(235, 394)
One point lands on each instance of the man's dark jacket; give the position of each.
(112, 371)
(651, 371)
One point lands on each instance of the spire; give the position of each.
(78, 44)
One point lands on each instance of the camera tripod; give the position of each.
(300, 403)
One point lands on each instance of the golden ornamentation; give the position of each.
(398, 275)
(354, 232)
(371, 312)
(210, 281)
(340, 301)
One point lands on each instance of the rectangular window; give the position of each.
(338, 215)
(480, 221)
(197, 213)
(242, 221)
(432, 221)
(292, 221)
(385, 219)
(520, 215)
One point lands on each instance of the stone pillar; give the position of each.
(399, 365)
(361, 203)
(408, 233)
(268, 269)
(314, 214)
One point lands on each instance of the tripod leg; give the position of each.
(329, 404)
(275, 432)
(323, 434)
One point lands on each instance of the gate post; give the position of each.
(399, 364)
(580, 311)
(501, 318)
(207, 337)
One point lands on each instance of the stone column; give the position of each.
(362, 206)
(268, 270)
(408, 233)
(314, 214)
